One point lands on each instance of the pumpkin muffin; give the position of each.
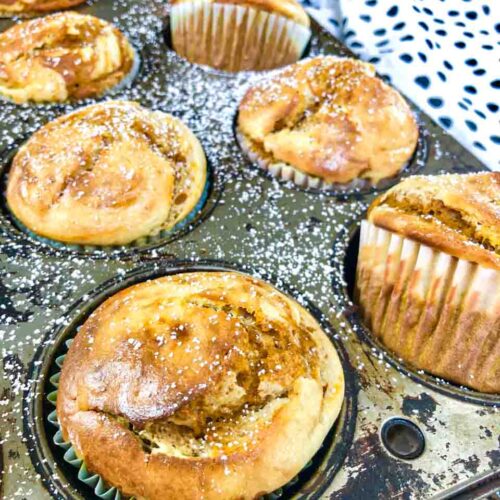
(428, 276)
(61, 57)
(237, 35)
(327, 121)
(215, 386)
(10, 8)
(107, 174)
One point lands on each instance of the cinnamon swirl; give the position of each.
(327, 121)
(62, 56)
(217, 386)
(107, 174)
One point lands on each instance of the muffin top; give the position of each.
(458, 214)
(30, 7)
(199, 385)
(107, 174)
(62, 56)
(331, 118)
(290, 9)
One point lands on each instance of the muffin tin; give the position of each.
(301, 241)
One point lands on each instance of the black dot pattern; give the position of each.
(439, 53)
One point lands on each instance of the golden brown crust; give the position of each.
(439, 313)
(458, 214)
(330, 118)
(215, 385)
(9, 8)
(107, 174)
(290, 9)
(62, 56)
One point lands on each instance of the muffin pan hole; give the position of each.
(48, 457)
(345, 289)
(21, 234)
(293, 179)
(403, 438)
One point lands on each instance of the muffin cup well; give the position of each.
(235, 38)
(438, 312)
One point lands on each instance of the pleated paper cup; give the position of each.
(286, 172)
(437, 312)
(235, 38)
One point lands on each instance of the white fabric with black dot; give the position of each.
(444, 55)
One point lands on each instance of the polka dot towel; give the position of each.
(442, 54)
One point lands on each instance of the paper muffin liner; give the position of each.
(127, 80)
(145, 241)
(95, 481)
(288, 173)
(438, 312)
(235, 38)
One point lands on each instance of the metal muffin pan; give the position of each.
(298, 240)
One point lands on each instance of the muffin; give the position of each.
(215, 386)
(428, 276)
(327, 121)
(63, 56)
(235, 35)
(107, 174)
(10, 8)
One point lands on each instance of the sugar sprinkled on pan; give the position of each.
(273, 228)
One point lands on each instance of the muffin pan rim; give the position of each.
(35, 413)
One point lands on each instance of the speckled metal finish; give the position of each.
(303, 242)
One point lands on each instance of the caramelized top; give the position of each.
(287, 8)
(62, 56)
(188, 356)
(458, 214)
(331, 118)
(106, 174)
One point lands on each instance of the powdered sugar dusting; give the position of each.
(275, 229)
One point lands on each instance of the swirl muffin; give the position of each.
(9, 8)
(428, 275)
(327, 121)
(62, 56)
(216, 386)
(236, 35)
(107, 174)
